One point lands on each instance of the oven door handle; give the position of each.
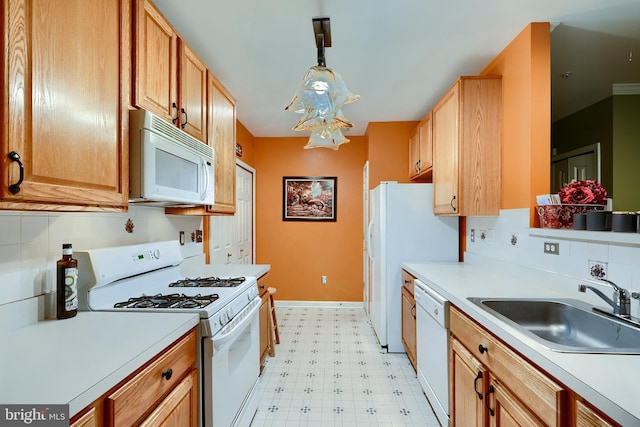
(231, 331)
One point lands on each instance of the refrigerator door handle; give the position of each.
(369, 240)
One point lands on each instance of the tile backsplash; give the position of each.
(31, 243)
(508, 237)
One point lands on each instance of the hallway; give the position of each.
(329, 371)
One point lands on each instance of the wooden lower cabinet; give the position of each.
(586, 416)
(492, 385)
(264, 318)
(89, 419)
(409, 319)
(163, 392)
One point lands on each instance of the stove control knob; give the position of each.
(231, 312)
(156, 253)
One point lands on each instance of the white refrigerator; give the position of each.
(402, 228)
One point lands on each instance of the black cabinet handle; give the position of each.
(486, 401)
(482, 349)
(451, 203)
(175, 118)
(413, 311)
(475, 385)
(15, 188)
(167, 374)
(186, 118)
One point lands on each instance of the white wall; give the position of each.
(31, 242)
(508, 238)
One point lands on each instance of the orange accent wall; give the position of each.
(301, 252)
(246, 140)
(388, 151)
(526, 126)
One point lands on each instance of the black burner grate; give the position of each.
(208, 282)
(168, 301)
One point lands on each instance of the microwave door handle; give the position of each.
(206, 179)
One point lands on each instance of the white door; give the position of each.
(244, 221)
(221, 246)
(365, 226)
(582, 163)
(232, 237)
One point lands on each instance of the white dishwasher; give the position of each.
(432, 342)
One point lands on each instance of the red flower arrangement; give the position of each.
(582, 192)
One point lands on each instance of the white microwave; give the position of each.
(167, 166)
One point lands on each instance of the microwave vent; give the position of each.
(160, 126)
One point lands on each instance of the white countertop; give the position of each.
(75, 361)
(224, 270)
(610, 382)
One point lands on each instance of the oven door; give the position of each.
(231, 361)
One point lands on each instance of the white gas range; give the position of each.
(146, 277)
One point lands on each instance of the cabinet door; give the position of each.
(193, 94)
(507, 411)
(409, 325)
(445, 154)
(586, 416)
(156, 62)
(468, 379)
(179, 408)
(65, 103)
(426, 138)
(414, 152)
(90, 419)
(222, 137)
(264, 328)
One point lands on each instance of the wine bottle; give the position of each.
(67, 291)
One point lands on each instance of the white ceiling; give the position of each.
(400, 56)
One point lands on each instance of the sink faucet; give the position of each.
(621, 302)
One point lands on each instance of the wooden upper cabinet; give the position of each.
(466, 148)
(65, 104)
(222, 137)
(420, 151)
(193, 93)
(170, 79)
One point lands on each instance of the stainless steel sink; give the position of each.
(565, 325)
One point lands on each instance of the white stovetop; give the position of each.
(608, 381)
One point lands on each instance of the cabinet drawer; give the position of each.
(544, 397)
(138, 395)
(407, 281)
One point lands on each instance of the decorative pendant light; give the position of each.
(320, 97)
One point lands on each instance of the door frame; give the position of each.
(252, 171)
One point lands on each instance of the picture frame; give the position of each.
(309, 198)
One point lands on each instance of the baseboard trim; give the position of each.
(318, 304)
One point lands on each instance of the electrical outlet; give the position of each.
(472, 235)
(324, 280)
(552, 248)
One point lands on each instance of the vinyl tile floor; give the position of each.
(329, 371)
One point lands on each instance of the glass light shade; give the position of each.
(322, 90)
(322, 137)
(315, 118)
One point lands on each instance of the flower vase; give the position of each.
(561, 216)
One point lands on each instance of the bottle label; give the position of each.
(71, 289)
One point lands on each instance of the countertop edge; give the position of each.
(522, 344)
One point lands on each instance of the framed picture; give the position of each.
(309, 198)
